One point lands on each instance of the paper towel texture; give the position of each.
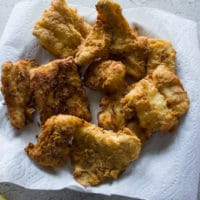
(168, 167)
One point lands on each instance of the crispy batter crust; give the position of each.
(95, 152)
(110, 34)
(160, 52)
(96, 45)
(112, 117)
(60, 29)
(17, 93)
(53, 144)
(98, 155)
(150, 100)
(150, 107)
(143, 134)
(107, 76)
(57, 89)
(123, 37)
(170, 86)
(135, 61)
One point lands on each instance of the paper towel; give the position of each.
(168, 167)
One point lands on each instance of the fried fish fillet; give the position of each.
(124, 40)
(110, 33)
(135, 61)
(112, 117)
(158, 101)
(160, 52)
(53, 143)
(170, 86)
(150, 107)
(95, 46)
(17, 93)
(58, 90)
(96, 154)
(122, 36)
(60, 29)
(107, 76)
(143, 134)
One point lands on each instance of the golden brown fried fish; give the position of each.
(96, 154)
(61, 30)
(150, 99)
(96, 45)
(112, 117)
(110, 34)
(160, 52)
(135, 61)
(170, 86)
(150, 107)
(58, 89)
(53, 144)
(122, 36)
(17, 93)
(107, 76)
(143, 134)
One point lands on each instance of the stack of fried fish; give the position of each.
(136, 74)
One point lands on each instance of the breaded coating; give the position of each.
(110, 34)
(107, 76)
(17, 93)
(96, 45)
(135, 61)
(60, 29)
(149, 100)
(160, 52)
(58, 90)
(141, 133)
(96, 154)
(112, 116)
(170, 86)
(53, 143)
(123, 37)
(150, 107)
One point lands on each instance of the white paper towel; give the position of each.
(168, 167)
